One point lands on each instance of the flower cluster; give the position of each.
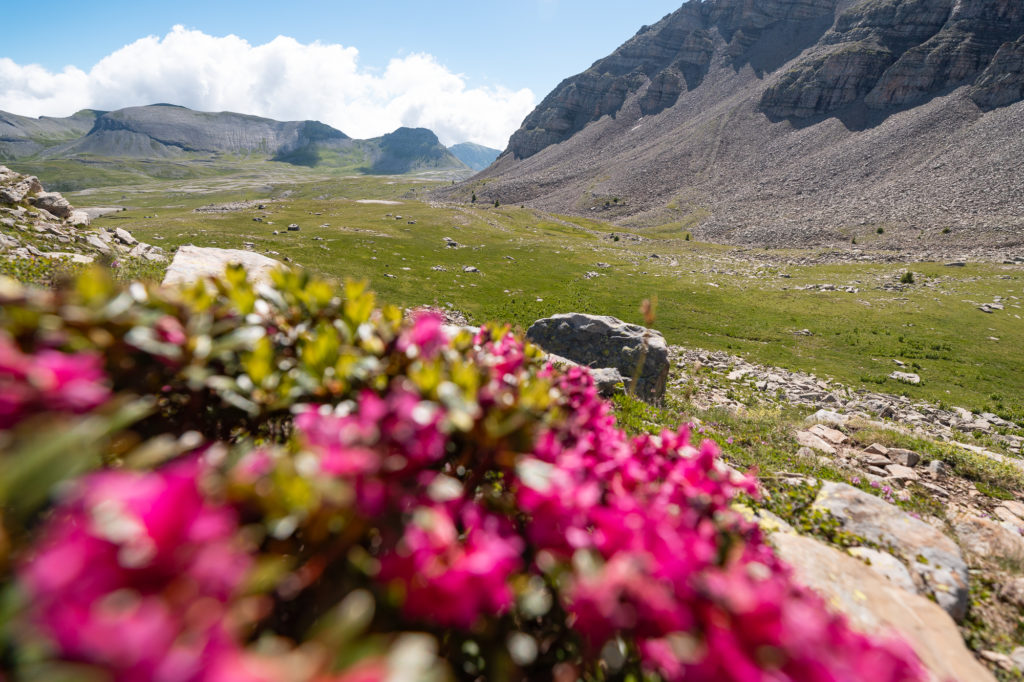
(47, 381)
(135, 572)
(363, 477)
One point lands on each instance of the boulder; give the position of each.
(602, 341)
(606, 379)
(985, 540)
(54, 203)
(928, 553)
(194, 263)
(79, 217)
(814, 441)
(874, 605)
(125, 237)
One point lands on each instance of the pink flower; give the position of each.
(48, 381)
(454, 568)
(169, 330)
(426, 336)
(134, 572)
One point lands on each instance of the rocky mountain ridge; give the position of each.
(789, 122)
(165, 131)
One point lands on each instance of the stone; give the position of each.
(906, 377)
(1008, 517)
(902, 473)
(937, 468)
(876, 449)
(607, 380)
(827, 417)
(470, 268)
(873, 604)
(602, 341)
(933, 556)
(78, 217)
(887, 566)
(907, 458)
(193, 263)
(985, 540)
(1016, 508)
(125, 237)
(831, 435)
(810, 440)
(97, 243)
(873, 460)
(53, 202)
(1017, 656)
(293, 228)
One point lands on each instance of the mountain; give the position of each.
(788, 122)
(130, 145)
(410, 149)
(476, 156)
(22, 136)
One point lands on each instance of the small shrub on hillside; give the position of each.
(284, 483)
(907, 278)
(880, 230)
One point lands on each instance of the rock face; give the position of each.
(896, 52)
(193, 263)
(1002, 83)
(789, 123)
(929, 554)
(874, 604)
(659, 64)
(602, 341)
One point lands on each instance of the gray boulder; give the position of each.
(928, 553)
(53, 202)
(600, 341)
(194, 263)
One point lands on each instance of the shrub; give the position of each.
(281, 483)
(907, 278)
(880, 230)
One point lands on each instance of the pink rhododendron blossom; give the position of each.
(426, 336)
(134, 573)
(49, 381)
(454, 568)
(397, 433)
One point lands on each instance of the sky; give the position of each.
(470, 71)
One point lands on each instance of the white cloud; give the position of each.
(282, 79)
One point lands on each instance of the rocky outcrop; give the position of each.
(874, 604)
(193, 263)
(602, 341)
(933, 557)
(1002, 82)
(660, 63)
(891, 53)
(39, 224)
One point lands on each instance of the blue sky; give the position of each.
(499, 58)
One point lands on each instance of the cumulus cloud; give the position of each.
(283, 79)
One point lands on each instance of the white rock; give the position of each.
(194, 263)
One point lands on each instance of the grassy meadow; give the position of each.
(533, 264)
